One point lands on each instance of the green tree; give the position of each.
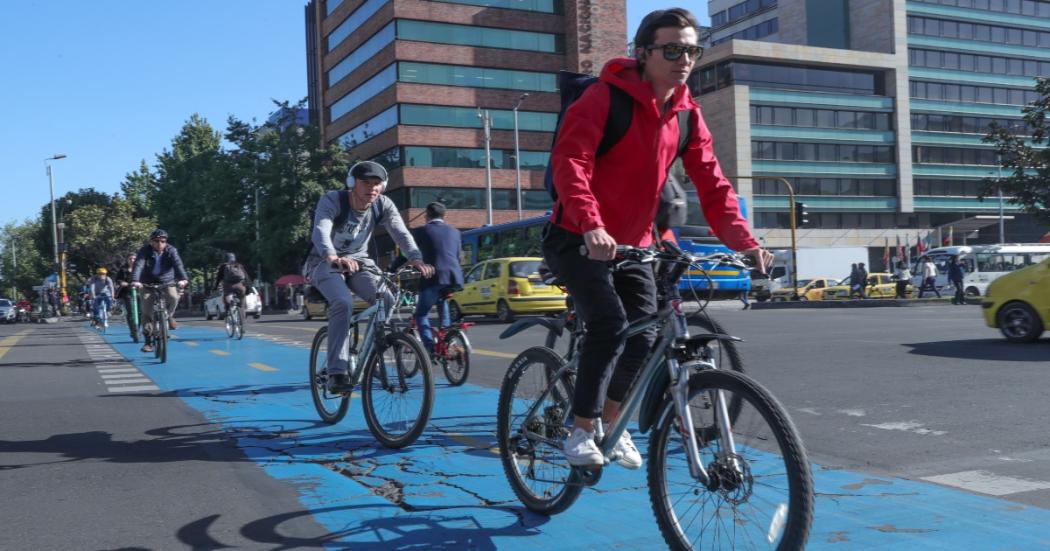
(104, 235)
(1026, 163)
(23, 264)
(139, 188)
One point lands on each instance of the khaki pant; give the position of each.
(148, 297)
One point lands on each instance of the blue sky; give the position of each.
(110, 82)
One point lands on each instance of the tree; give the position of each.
(104, 235)
(1028, 165)
(139, 188)
(23, 265)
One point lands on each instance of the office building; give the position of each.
(873, 110)
(401, 82)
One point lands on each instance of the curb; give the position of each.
(869, 303)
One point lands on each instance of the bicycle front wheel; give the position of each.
(230, 324)
(238, 328)
(456, 361)
(530, 446)
(331, 407)
(762, 491)
(397, 391)
(162, 339)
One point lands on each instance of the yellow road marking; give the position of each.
(262, 367)
(494, 354)
(9, 342)
(218, 352)
(189, 343)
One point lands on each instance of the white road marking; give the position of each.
(811, 411)
(118, 370)
(116, 376)
(132, 388)
(988, 483)
(907, 426)
(122, 382)
(853, 412)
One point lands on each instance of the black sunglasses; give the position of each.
(673, 52)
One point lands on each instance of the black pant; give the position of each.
(605, 300)
(960, 296)
(929, 284)
(234, 289)
(902, 289)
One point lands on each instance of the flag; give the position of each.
(918, 244)
(886, 254)
(949, 240)
(900, 251)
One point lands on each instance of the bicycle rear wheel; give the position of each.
(331, 407)
(239, 321)
(763, 498)
(530, 448)
(456, 361)
(397, 390)
(162, 338)
(231, 329)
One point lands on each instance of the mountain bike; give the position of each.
(159, 327)
(234, 318)
(451, 347)
(726, 466)
(393, 371)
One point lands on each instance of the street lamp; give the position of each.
(486, 124)
(517, 155)
(54, 222)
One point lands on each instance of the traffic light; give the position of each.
(801, 216)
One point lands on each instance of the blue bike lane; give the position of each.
(448, 489)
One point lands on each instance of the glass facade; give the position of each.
(467, 117)
(469, 198)
(476, 77)
(736, 12)
(980, 32)
(977, 63)
(937, 122)
(331, 5)
(453, 157)
(484, 37)
(753, 32)
(369, 129)
(851, 187)
(545, 6)
(787, 77)
(966, 93)
(363, 53)
(356, 19)
(953, 155)
(808, 117)
(371, 88)
(1018, 7)
(842, 153)
(847, 220)
(947, 188)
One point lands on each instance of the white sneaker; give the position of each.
(625, 452)
(580, 449)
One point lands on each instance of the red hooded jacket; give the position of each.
(621, 191)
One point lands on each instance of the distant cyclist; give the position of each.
(232, 275)
(123, 281)
(613, 199)
(440, 245)
(102, 291)
(158, 263)
(343, 247)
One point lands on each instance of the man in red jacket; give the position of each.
(613, 200)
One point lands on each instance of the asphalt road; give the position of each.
(923, 408)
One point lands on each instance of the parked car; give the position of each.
(505, 287)
(1018, 303)
(8, 313)
(315, 305)
(879, 285)
(808, 289)
(214, 307)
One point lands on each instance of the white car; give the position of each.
(7, 311)
(214, 308)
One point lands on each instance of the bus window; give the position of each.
(487, 246)
(534, 241)
(466, 255)
(1036, 258)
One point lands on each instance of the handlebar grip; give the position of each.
(620, 250)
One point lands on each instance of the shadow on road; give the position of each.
(385, 527)
(984, 349)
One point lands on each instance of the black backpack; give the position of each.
(234, 274)
(340, 219)
(621, 111)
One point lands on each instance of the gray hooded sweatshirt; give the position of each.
(351, 240)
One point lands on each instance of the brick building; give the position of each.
(400, 82)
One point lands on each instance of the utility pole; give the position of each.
(14, 268)
(517, 156)
(258, 257)
(486, 125)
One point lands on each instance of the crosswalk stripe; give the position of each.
(105, 370)
(123, 382)
(132, 388)
(985, 482)
(117, 376)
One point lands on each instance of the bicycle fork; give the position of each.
(680, 395)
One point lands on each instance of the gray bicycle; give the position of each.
(726, 466)
(393, 371)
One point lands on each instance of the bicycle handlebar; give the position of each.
(634, 255)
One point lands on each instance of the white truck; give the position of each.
(812, 262)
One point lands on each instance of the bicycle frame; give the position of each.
(376, 317)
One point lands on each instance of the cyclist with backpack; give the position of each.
(157, 262)
(344, 221)
(232, 275)
(607, 194)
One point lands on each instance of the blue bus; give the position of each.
(522, 238)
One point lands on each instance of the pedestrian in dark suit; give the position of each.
(440, 245)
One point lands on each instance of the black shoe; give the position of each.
(339, 384)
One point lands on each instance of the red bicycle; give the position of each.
(451, 349)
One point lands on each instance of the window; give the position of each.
(486, 37)
(371, 88)
(467, 117)
(544, 6)
(363, 53)
(478, 77)
(494, 270)
(369, 129)
(804, 117)
(475, 273)
(356, 19)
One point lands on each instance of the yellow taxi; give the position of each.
(1018, 303)
(879, 285)
(315, 305)
(504, 287)
(808, 289)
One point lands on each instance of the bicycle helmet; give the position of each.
(101, 271)
(158, 233)
(230, 257)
